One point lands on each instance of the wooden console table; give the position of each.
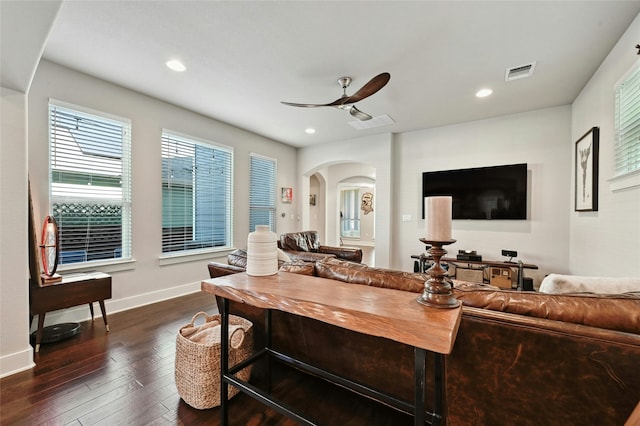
(386, 313)
(73, 290)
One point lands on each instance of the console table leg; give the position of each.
(438, 374)
(224, 362)
(267, 334)
(420, 369)
(91, 310)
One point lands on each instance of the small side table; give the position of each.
(73, 290)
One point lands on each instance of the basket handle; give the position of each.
(231, 341)
(206, 318)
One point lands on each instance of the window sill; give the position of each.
(626, 181)
(181, 257)
(106, 266)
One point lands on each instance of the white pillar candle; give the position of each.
(437, 218)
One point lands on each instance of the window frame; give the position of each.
(177, 256)
(252, 207)
(353, 193)
(126, 245)
(628, 179)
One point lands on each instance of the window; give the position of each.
(349, 213)
(627, 125)
(90, 183)
(262, 192)
(196, 194)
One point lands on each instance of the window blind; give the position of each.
(349, 213)
(90, 190)
(627, 125)
(196, 194)
(262, 192)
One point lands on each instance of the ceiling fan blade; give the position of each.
(362, 116)
(372, 86)
(305, 105)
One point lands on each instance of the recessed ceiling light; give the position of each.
(310, 131)
(176, 65)
(483, 93)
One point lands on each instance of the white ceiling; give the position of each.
(243, 58)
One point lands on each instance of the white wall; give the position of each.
(317, 212)
(16, 352)
(537, 138)
(148, 279)
(375, 151)
(606, 242)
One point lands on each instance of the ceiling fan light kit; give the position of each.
(346, 102)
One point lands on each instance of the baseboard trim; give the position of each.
(23, 360)
(81, 313)
(16, 362)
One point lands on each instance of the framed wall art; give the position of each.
(586, 178)
(287, 195)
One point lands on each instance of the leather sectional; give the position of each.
(520, 358)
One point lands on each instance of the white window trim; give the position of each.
(625, 181)
(177, 257)
(275, 189)
(115, 265)
(183, 257)
(630, 179)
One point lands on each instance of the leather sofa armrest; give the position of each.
(217, 269)
(345, 253)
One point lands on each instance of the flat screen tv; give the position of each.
(498, 192)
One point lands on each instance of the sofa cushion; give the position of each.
(299, 267)
(300, 241)
(357, 273)
(613, 312)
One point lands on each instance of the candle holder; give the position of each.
(437, 289)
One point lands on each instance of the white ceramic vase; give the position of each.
(262, 252)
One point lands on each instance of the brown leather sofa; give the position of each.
(520, 358)
(237, 261)
(295, 243)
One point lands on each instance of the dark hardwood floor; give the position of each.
(126, 377)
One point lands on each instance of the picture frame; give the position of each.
(586, 171)
(287, 195)
(312, 199)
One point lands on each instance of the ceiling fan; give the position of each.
(346, 102)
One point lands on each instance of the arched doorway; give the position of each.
(326, 209)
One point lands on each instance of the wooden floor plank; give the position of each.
(126, 377)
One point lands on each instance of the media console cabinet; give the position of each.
(386, 313)
(424, 259)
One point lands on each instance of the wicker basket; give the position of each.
(197, 371)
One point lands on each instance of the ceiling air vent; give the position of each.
(379, 121)
(522, 71)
